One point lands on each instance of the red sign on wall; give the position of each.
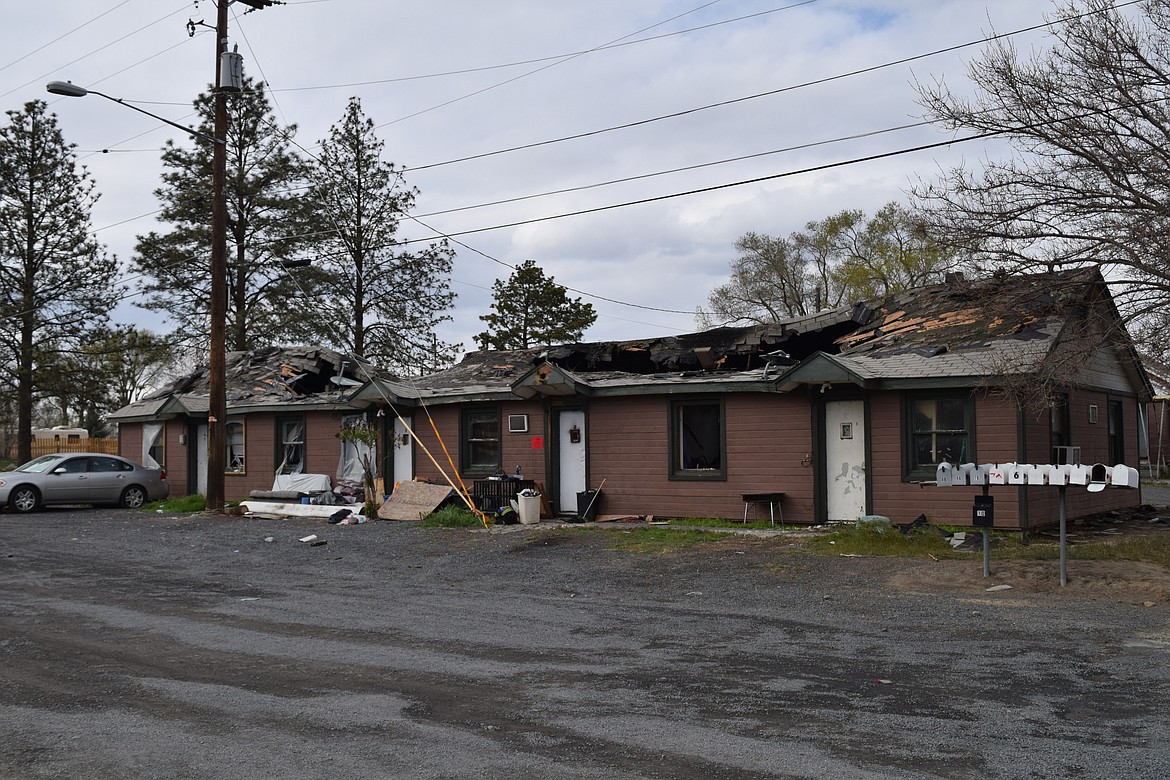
(538, 442)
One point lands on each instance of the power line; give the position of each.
(683, 169)
(552, 57)
(63, 36)
(95, 51)
(756, 96)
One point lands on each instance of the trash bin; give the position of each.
(528, 502)
(587, 504)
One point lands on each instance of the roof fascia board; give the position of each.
(549, 376)
(818, 369)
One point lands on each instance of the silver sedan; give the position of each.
(79, 478)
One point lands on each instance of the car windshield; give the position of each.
(40, 465)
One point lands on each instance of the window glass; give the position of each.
(481, 451)
(939, 432)
(106, 464)
(73, 466)
(1116, 433)
(153, 438)
(697, 441)
(234, 462)
(291, 445)
(700, 437)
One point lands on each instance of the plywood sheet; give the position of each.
(413, 501)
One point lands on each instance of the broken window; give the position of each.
(481, 441)
(356, 456)
(290, 445)
(1060, 425)
(697, 446)
(1116, 432)
(939, 428)
(234, 436)
(153, 445)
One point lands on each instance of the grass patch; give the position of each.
(928, 541)
(194, 503)
(873, 539)
(451, 517)
(718, 522)
(1147, 548)
(656, 541)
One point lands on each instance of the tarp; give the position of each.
(302, 483)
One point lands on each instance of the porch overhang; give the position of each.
(822, 369)
(377, 391)
(550, 381)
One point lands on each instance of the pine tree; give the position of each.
(267, 302)
(57, 284)
(386, 301)
(531, 309)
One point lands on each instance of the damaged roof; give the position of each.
(951, 333)
(954, 333)
(263, 378)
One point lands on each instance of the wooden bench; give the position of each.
(771, 499)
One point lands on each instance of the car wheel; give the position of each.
(133, 497)
(24, 499)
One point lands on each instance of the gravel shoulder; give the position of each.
(140, 646)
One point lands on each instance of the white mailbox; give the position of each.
(1039, 474)
(1125, 476)
(1100, 477)
(944, 475)
(1078, 474)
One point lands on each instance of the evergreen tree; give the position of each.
(531, 309)
(266, 302)
(386, 301)
(57, 284)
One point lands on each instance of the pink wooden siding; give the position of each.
(516, 449)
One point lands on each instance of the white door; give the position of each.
(403, 455)
(845, 459)
(200, 460)
(571, 459)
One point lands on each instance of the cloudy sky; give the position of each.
(712, 94)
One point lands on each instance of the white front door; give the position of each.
(845, 459)
(403, 455)
(201, 460)
(571, 459)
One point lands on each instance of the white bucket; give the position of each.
(529, 509)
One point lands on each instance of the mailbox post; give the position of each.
(1093, 478)
(983, 516)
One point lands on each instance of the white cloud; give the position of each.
(667, 254)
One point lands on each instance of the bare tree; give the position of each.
(835, 261)
(1089, 184)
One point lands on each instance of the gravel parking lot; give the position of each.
(147, 645)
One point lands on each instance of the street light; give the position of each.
(69, 89)
(217, 390)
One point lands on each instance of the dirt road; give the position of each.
(146, 646)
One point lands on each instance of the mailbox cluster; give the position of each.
(1095, 477)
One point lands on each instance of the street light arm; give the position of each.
(69, 89)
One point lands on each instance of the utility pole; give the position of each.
(217, 382)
